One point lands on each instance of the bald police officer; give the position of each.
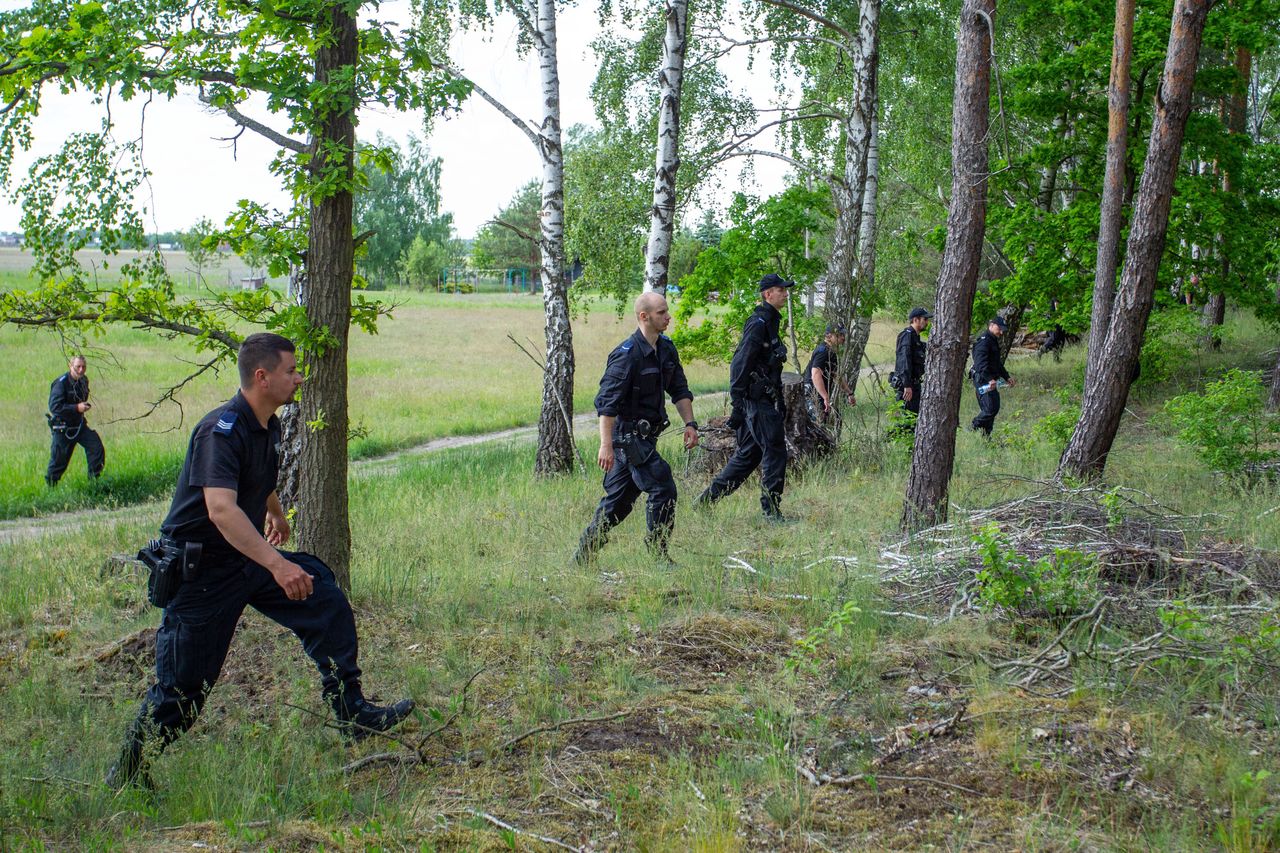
(68, 405)
(632, 415)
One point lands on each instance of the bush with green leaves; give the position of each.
(1227, 425)
(1056, 427)
(1061, 585)
(1168, 345)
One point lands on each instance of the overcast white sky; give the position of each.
(485, 157)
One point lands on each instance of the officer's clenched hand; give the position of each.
(605, 457)
(736, 418)
(908, 393)
(690, 437)
(293, 579)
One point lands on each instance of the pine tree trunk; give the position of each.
(1104, 398)
(555, 432)
(933, 456)
(658, 256)
(1113, 188)
(321, 522)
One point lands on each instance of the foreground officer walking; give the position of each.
(632, 415)
(218, 544)
(759, 413)
(68, 404)
(988, 371)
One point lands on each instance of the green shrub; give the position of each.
(1056, 427)
(1060, 585)
(1170, 343)
(1227, 425)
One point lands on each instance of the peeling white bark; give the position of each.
(670, 79)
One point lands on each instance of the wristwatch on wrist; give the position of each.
(693, 424)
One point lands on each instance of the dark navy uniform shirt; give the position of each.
(909, 358)
(824, 358)
(64, 394)
(760, 354)
(987, 364)
(229, 449)
(636, 376)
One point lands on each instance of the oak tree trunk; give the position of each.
(321, 523)
(933, 455)
(1113, 187)
(658, 255)
(1105, 396)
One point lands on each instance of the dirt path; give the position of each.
(18, 529)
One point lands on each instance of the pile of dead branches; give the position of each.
(1166, 594)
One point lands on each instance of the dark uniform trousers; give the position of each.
(988, 407)
(62, 446)
(639, 468)
(762, 443)
(196, 632)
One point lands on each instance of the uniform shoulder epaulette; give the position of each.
(226, 421)
(625, 346)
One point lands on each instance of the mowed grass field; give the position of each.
(442, 365)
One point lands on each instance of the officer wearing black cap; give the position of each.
(223, 526)
(821, 375)
(988, 371)
(68, 404)
(759, 413)
(632, 414)
(908, 366)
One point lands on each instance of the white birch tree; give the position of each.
(670, 81)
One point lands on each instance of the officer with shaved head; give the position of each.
(633, 413)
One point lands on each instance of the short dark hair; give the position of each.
(261, 349)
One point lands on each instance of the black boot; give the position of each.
(131, 766)
(771, 506)
(358, 718)
(593, 539)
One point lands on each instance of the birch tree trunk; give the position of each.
(321, 522)
(860, 328)
(1112, 215)
(555, 431)
(1104, 398)
(933, 456)
(847, 194)
(658, 255)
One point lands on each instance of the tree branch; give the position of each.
(519, 232)
(144, 321)
(528, 129)
(256, 126)
(813, 16)
(799, 164)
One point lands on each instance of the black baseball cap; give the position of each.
(919, 312)
(1000, 321)
(774, 280)
(836, 329)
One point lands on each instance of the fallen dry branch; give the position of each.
(551, 727)
(870, 780)
(501, 824)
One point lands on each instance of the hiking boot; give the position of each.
(593, 539)
(131, 767)
(360, 718)
(777, 517)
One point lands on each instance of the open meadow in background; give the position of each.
(774, 691)
(442, 365)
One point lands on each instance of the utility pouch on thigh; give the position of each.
(163, 558)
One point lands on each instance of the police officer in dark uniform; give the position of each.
(68, 403)
(988, 370)
(225, 521)
(908, 366)
(822, 374)
(759, 413)
(632, 414)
